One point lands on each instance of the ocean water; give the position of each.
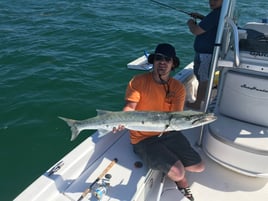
(68, 58)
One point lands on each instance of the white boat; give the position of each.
(234, 148)
(140, 63)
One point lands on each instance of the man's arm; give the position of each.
(130, 106)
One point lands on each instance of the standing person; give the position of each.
(169, 152)
(205, 33)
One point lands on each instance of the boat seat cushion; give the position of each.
(246, 136)
(245, 97)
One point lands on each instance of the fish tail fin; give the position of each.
(72, 124)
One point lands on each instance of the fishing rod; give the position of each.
(182, 11)
(88, 190)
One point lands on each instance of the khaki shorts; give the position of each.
(202, 66)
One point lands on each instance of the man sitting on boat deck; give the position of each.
(169, 152)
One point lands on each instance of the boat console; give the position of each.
(239, 138)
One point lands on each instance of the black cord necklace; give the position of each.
(165, 84)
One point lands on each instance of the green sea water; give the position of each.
(68, 58)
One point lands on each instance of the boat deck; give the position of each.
(221, 184)
(131, 183)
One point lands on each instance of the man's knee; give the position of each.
(176, 172)
(200, 167)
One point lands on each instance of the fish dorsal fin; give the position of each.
(102, 112)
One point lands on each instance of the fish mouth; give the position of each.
(204, 120)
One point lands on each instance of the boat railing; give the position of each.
(227, 10)
(248, 49)
(235, 42)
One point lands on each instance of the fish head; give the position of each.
(190, 119)
(202, 119)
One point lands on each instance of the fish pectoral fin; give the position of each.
(166, 127)
(103, 132)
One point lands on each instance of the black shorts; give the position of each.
(161, 153)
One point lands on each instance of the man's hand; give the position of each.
(197, 16)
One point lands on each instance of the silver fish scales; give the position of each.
(153, 121)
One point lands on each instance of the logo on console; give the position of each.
(254, 88)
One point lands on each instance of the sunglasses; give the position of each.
(162, 57)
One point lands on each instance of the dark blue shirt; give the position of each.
(204, 43)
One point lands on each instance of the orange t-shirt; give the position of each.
(152, 96)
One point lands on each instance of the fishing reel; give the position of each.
(101, 188)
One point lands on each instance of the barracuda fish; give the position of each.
(105, 121)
